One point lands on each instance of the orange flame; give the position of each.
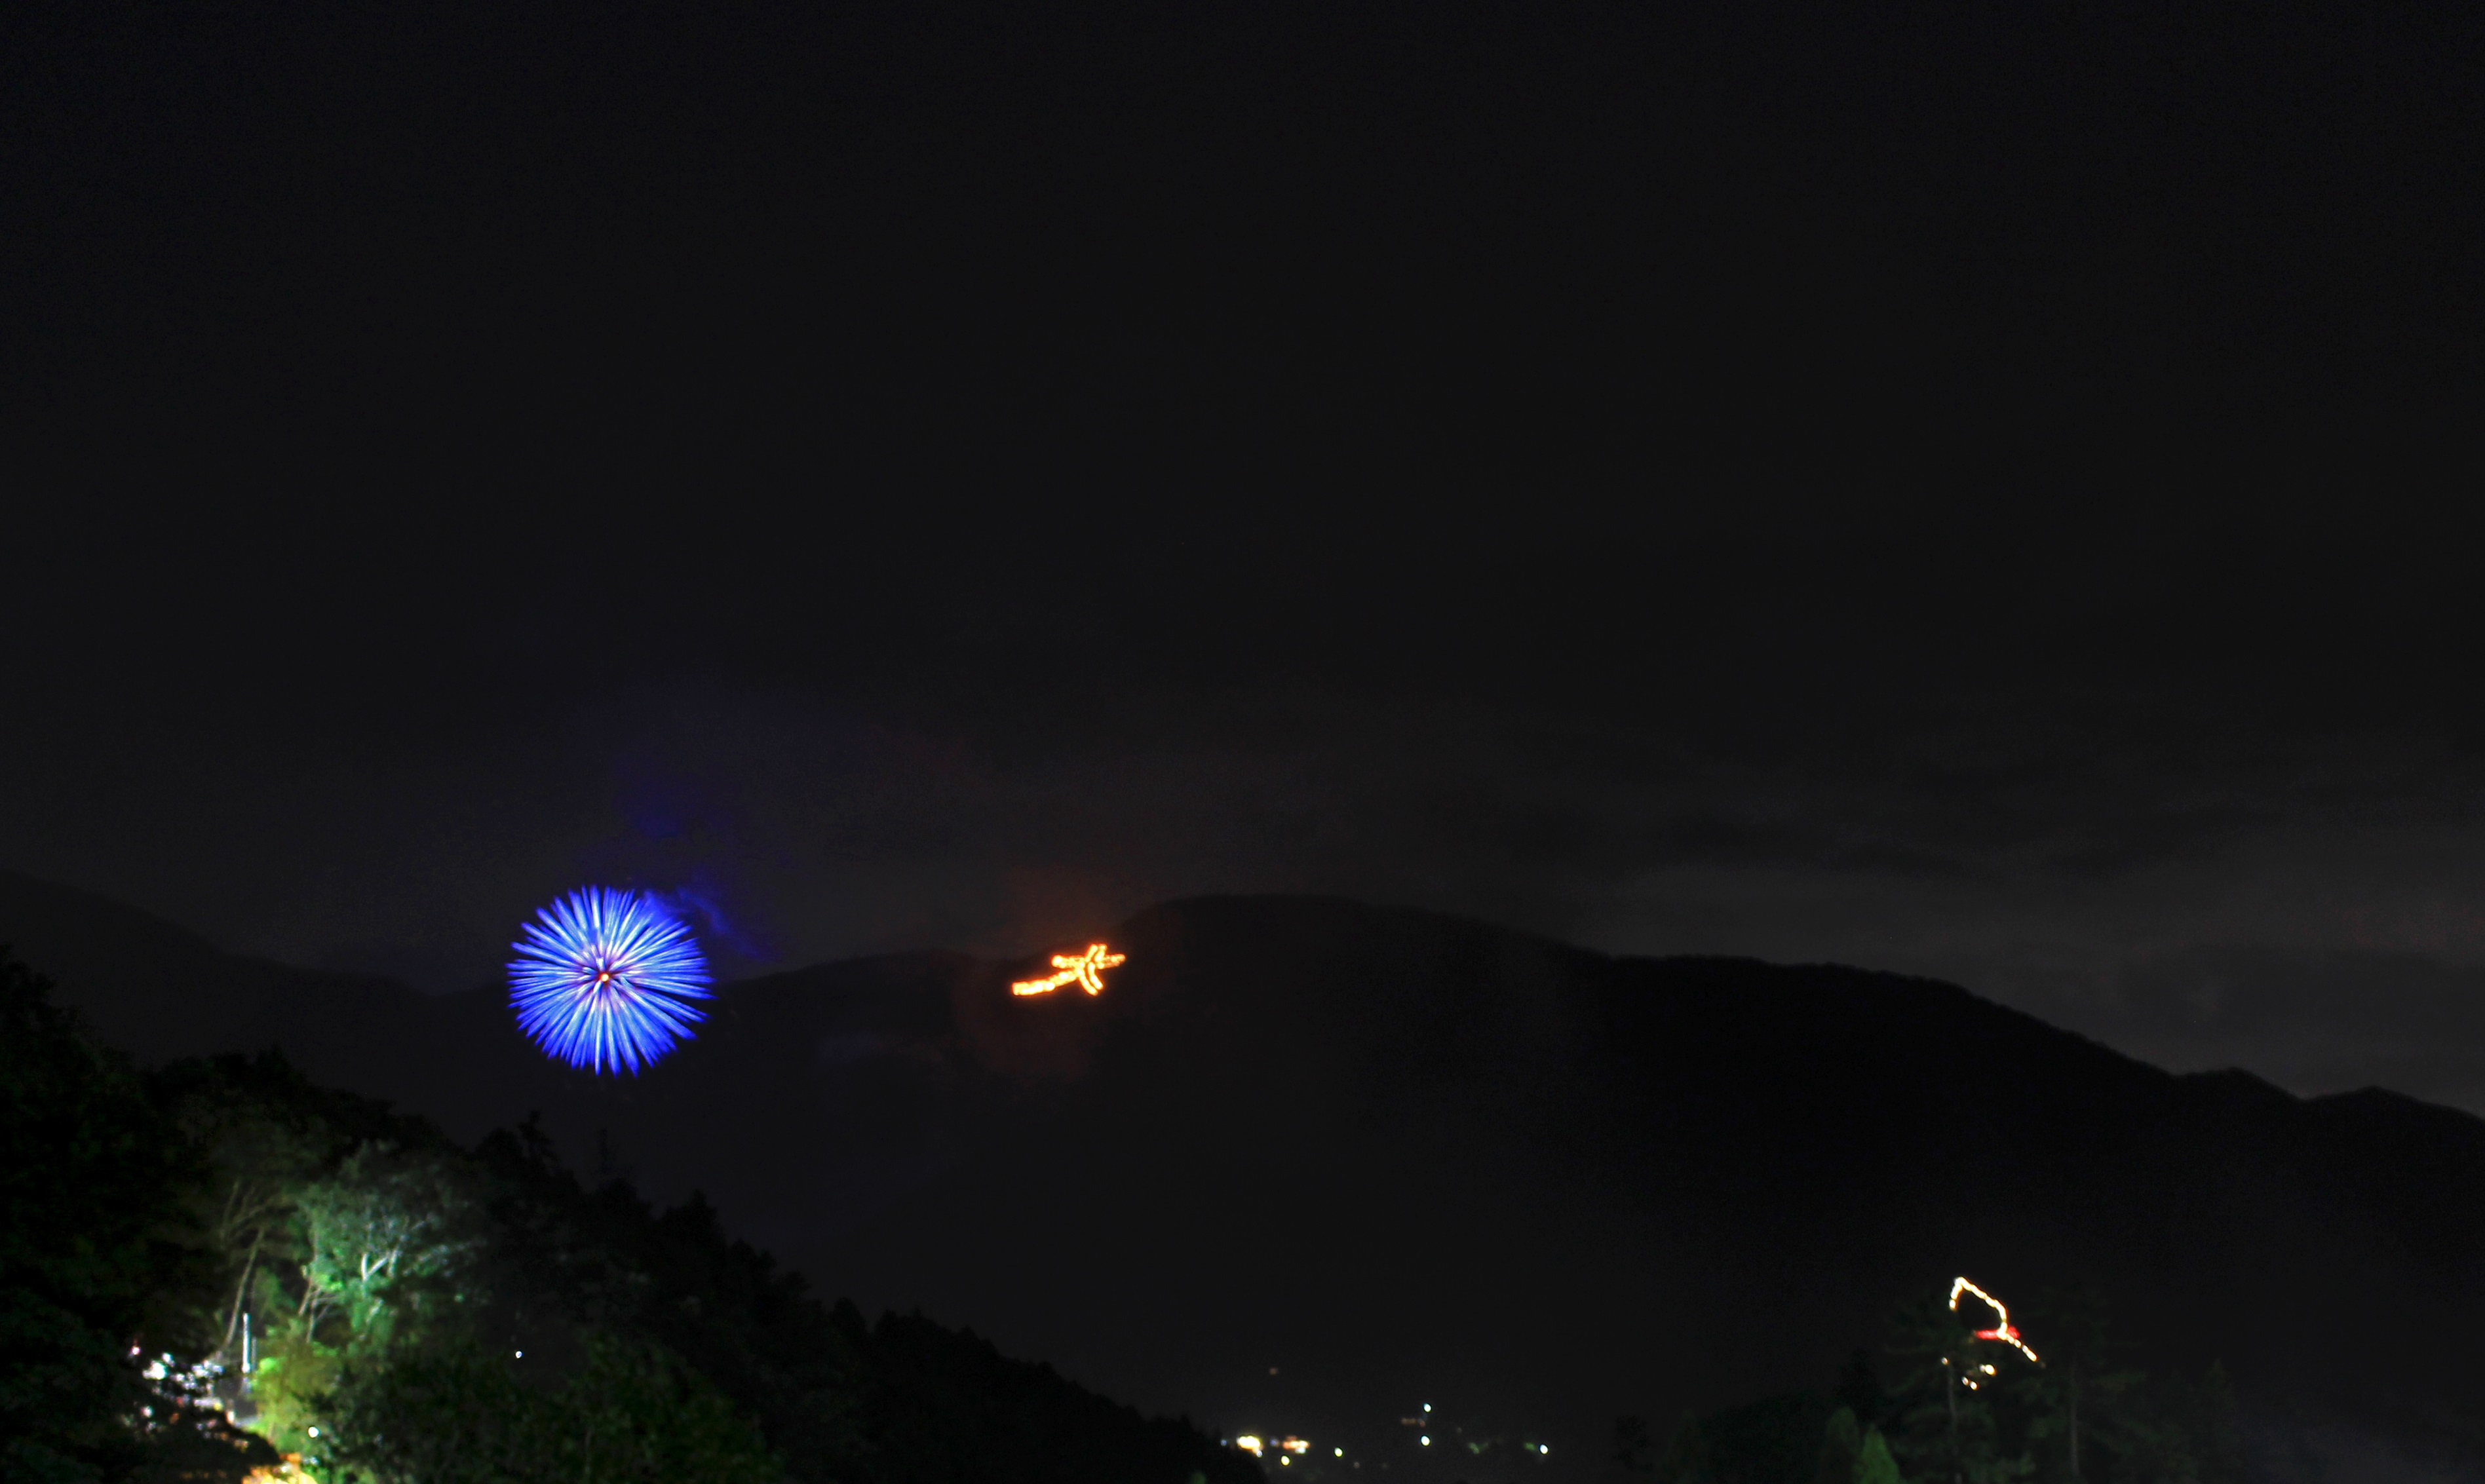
(1085, 970)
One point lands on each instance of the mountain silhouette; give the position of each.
(1306, 1165)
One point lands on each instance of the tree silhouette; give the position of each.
(1944, 1399)
(634, 1413)
(104, 1273)
(2078, 1400)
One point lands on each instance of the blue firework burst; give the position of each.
(605, 979)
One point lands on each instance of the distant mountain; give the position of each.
(156, 990)
(159, 991)
(1308, 1165)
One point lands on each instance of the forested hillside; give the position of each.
(219, 1267)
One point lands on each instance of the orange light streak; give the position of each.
(2001, 1327)
(1085, 970)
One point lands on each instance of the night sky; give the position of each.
(1978, 491)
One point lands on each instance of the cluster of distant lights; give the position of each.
(2003, 1330)
(1290, 1448)
(1085, 970)
(1257, 1447)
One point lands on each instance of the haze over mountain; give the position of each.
(1306, 1164)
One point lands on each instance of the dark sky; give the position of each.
(1982, 490)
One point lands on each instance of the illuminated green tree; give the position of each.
(1842, 1441)
(1855, 1454)
(384, 1225)
(261, 1151)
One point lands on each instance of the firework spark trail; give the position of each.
(604, 980)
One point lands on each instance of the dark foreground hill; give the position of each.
(314, 1275)
(1308, 1166)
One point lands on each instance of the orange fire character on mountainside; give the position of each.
(2002, 1330)
(1085, 970)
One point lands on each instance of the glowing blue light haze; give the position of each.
(605, 979)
